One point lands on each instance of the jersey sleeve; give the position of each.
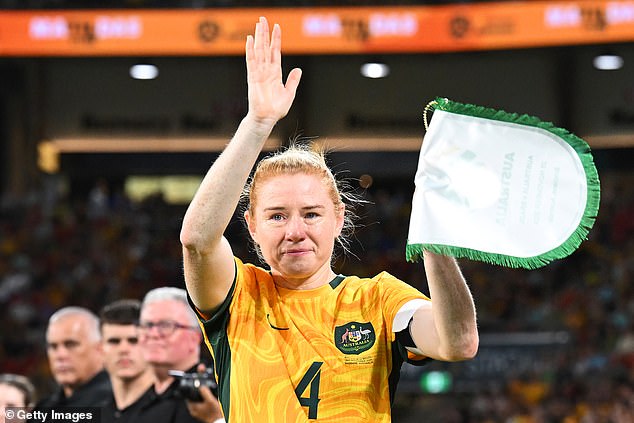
(395, 295)
(215, 320)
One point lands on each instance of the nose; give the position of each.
(124, 347)
(295, 229)
(59, 353)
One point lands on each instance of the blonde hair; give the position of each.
(309, 159)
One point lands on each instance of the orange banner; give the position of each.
(345, 30)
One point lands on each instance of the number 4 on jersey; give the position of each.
(311, 377)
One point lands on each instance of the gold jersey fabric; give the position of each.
(320, 355)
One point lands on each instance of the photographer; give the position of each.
(170, 340)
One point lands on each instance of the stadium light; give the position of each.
(375, 70)
(436, 382)
(608, 61)
(144, 71)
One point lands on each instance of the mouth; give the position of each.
(295, 252)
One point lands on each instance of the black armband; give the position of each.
(404, 337)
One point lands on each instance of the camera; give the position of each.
(188, 383)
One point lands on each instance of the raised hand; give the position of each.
(269, 98)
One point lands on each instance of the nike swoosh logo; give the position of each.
(272, 325)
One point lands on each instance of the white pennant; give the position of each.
(497, 189)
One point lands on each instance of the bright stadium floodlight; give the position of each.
(608, 61)
(375, 70)
(144, 71)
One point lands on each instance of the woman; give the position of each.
(17, 397)
(297, 342)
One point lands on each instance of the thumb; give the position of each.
(292, 82)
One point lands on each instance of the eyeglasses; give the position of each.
(164, 327)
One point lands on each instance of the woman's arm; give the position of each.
(207, 256)
(446, 328)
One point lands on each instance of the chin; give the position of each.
(128, 376)
(296, 271)
(67, 381)
(156, 361)
(155, 358)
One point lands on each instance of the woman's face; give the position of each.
(10, 396)
(295, 224)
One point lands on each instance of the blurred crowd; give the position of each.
(59, 248)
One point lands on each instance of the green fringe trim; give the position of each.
(414, 252)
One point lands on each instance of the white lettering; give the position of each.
(562, 16)
(36, 415)
(48, 28)
(616, 13)
(322, 25)
(393, 24)
(117, 27)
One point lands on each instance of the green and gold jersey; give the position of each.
(326, 354)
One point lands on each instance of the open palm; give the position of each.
(269, 98)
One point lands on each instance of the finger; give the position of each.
(292, 82)
(249, 49)
(258, 46)
(276, 44)
(261, 39)
(266, 42)
(249, 52)
(206, 394)
(211, 404)
(209, 399)
(201, 368)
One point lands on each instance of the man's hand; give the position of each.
(207, 411)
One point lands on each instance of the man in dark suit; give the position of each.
(73, 345)
(130, 374)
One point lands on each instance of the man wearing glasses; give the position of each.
(170, 339)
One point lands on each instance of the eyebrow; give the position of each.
(279, 208)
(54, 344)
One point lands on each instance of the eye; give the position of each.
(71, 344)
(278, 217)
(165, 325)
(311, 215)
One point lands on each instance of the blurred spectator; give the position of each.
(15, 391)
(73, 343)
(171, 340)
(130, 374)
